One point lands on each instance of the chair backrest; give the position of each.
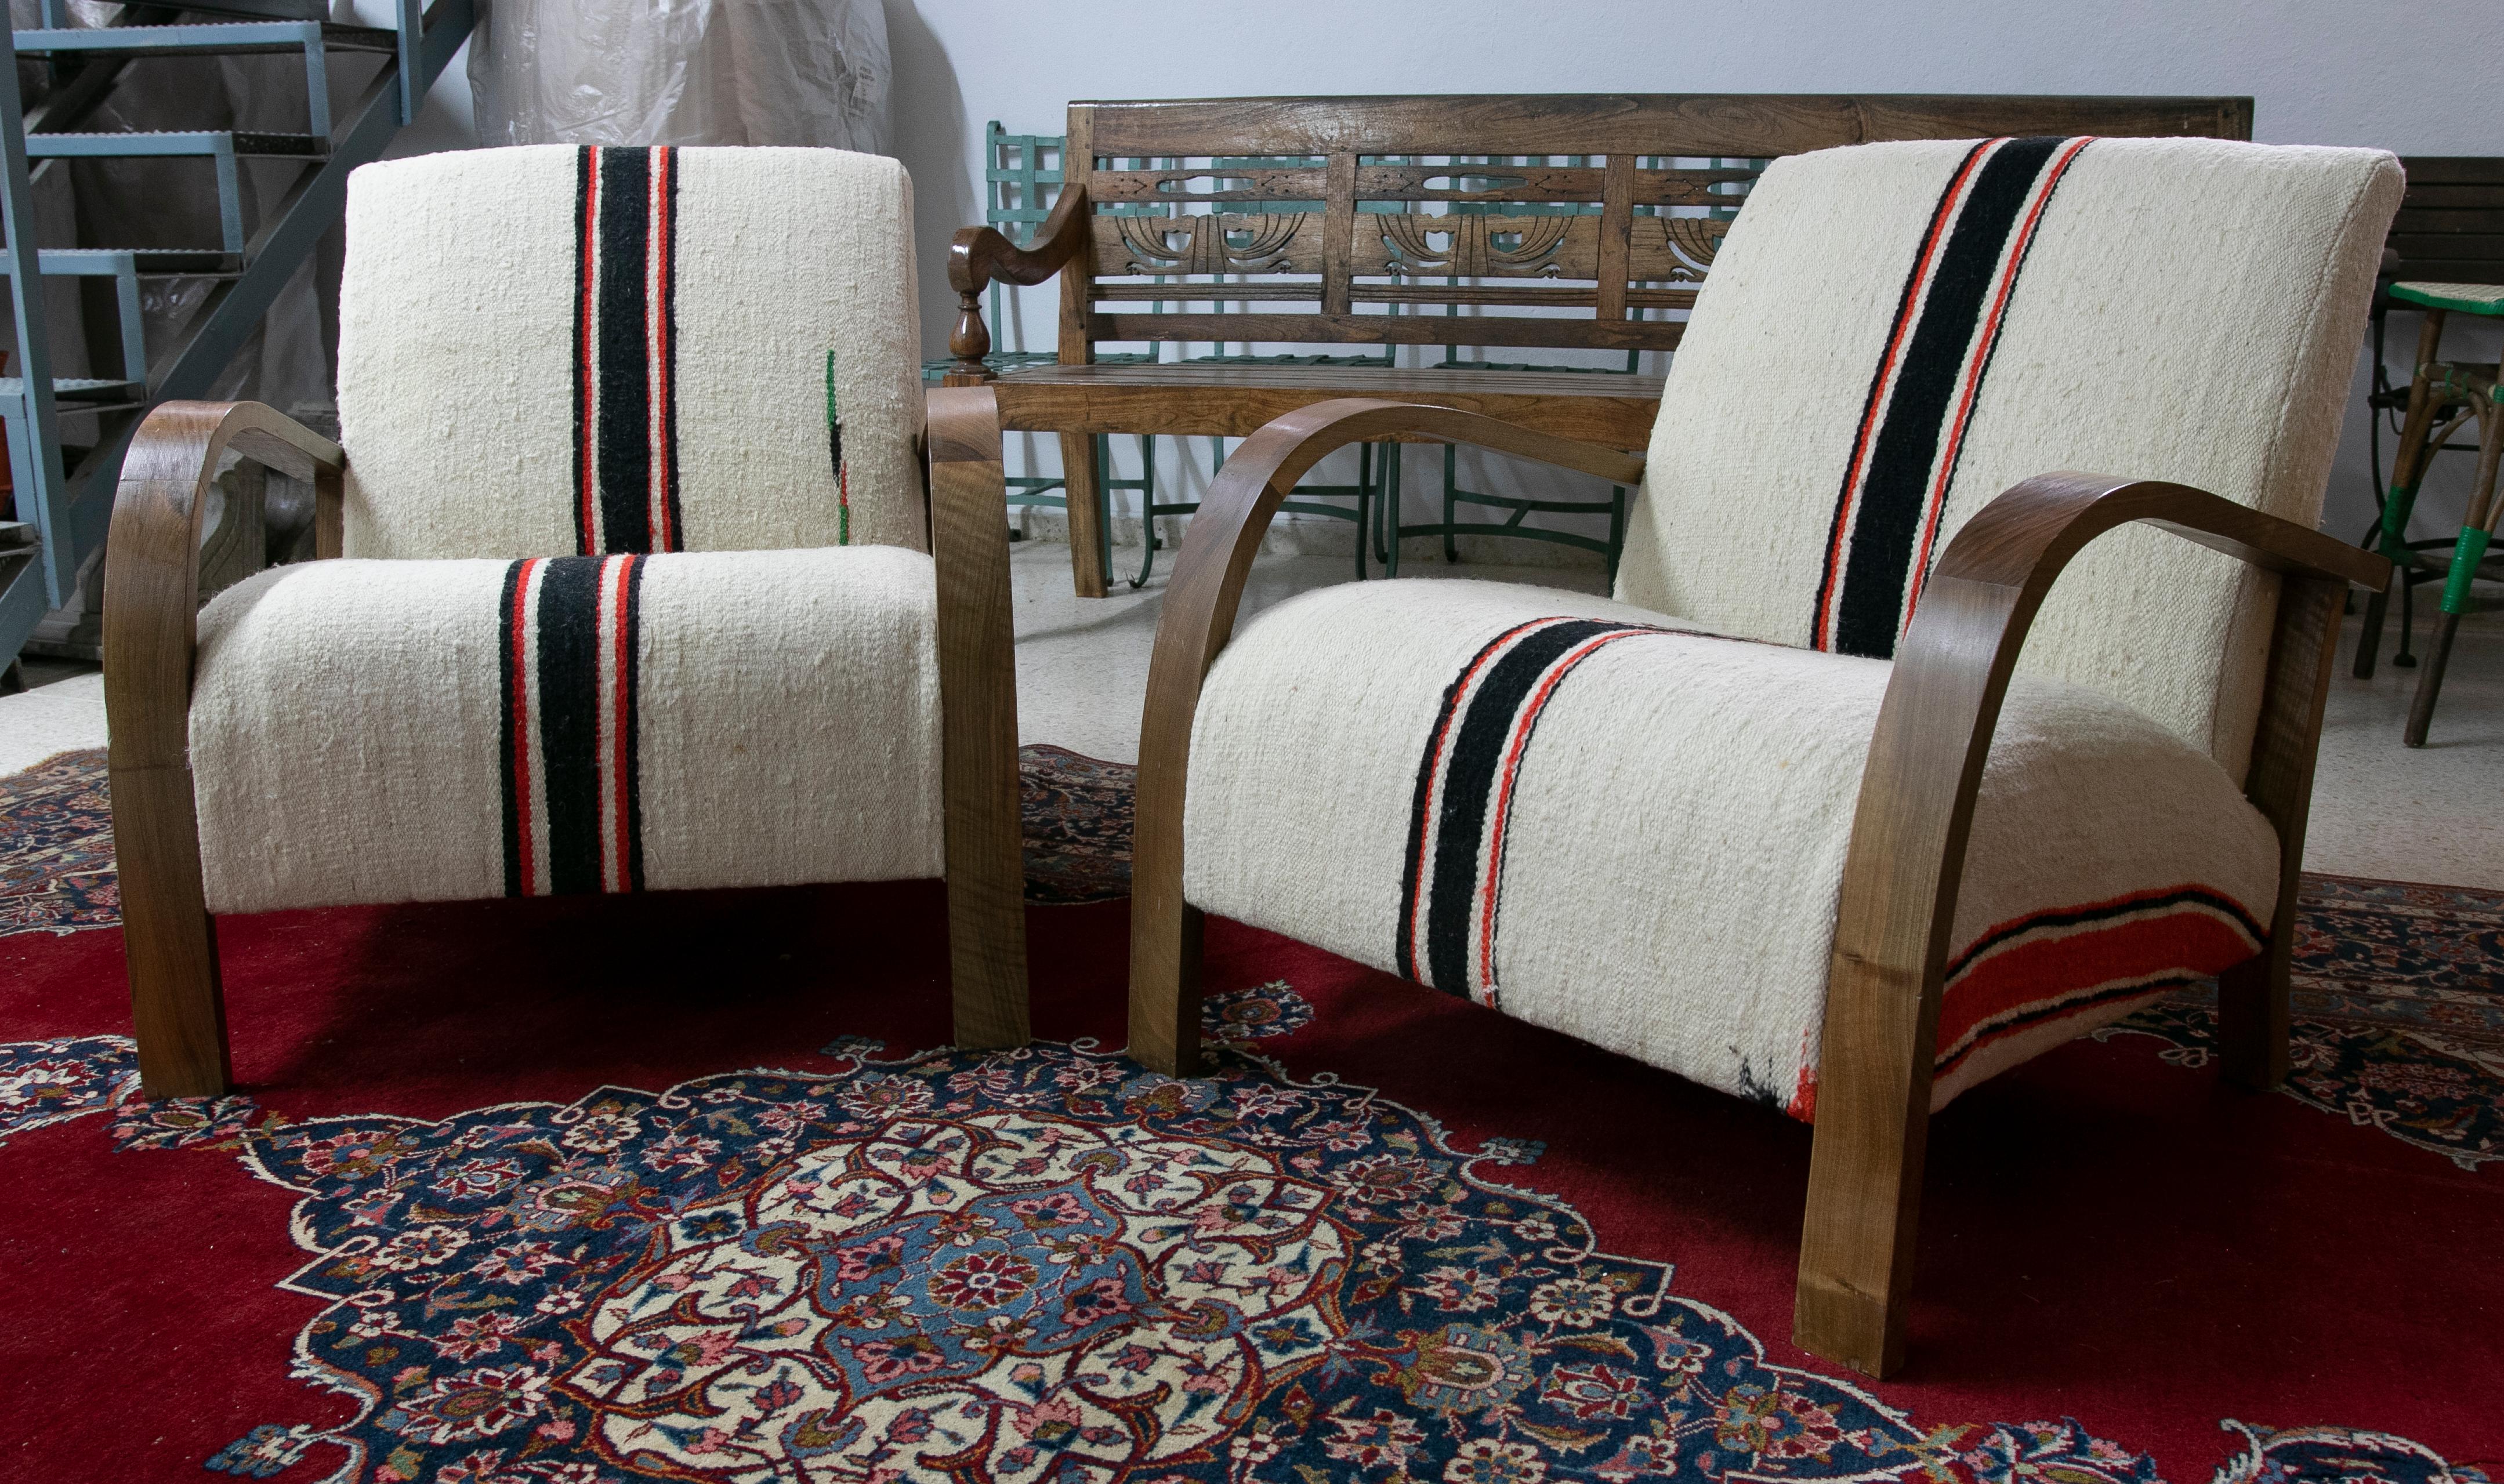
(1332, 221)
(2450, 225)
(1895, 333)
(556, 349)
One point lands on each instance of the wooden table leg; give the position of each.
(1083, 482)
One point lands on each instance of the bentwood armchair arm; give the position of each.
(1908, 839)
(1909, 832)
(978, 736)
(979, 255)
(151, 584)
(1199, 607)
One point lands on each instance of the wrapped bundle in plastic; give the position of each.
(643, 72)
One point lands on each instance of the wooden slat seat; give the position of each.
(1235, 401)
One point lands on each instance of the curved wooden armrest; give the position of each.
(1199, 607)
(1906, 858)
(1952, 672)
(152, 563)
(979, 256)
(969, 550)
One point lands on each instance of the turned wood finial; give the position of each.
(969, 342)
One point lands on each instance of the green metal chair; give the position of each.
(2456, 393)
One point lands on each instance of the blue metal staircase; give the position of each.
(65, 496)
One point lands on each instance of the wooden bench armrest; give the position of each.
(1906, 858)
(979, 256)
(1199, 608)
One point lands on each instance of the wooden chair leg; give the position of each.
(2253, 1017)
(1864, 1174)
(1165, 987)
(2252, 998)
(2468, 550)
(978, 723)
(2408, 468)
(1082, 483)
(177, 1003)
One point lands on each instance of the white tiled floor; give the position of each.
(2379, 809)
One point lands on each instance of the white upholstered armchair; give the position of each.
(631, 581)
(1843, 804)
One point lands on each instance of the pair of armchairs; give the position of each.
(1843, 804)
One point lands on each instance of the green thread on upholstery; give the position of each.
(835, 449)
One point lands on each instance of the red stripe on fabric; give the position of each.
(664, 164)
(586, 313)
(1906, 313)
(1442, 738)
(1521, 727)
(1935, 501)
(2187, 941)
(620, 662)
(517, 629)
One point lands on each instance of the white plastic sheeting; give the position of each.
(719, 72)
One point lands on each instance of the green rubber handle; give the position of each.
(2465, 557)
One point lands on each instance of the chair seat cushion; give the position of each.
(1603, 822)
(403, 731)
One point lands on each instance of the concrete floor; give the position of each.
(2434, 813)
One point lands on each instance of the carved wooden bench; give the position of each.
(1377, 222)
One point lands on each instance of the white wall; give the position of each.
(2392, 74)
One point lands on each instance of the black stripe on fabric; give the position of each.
(569, 720)
(508, 670)
(1888, 523)
(625, 444)
(1412, 863)
(1878, 379)
(668, 164)
(630, 774)
(2027, 1016)
(2188, 896)
(585, 538)
(1475, 752)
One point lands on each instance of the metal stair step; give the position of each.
(82, 390)
(233, 38)
(146, 144)
(146, 262)
(275, 9)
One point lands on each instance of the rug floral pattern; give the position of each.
(2398, 1009)
(56, 847)
(1045, 1264)
(1009, 1266)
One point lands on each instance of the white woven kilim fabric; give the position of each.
(552, 351)
(634, 597)
(1571, 809)
(368, 731)
(1895, 334)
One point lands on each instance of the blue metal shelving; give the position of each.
(63, 506)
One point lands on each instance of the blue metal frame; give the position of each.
(71, 510)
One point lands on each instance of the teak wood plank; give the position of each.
(1610, 410)
(1392, 329)
(1747, 125)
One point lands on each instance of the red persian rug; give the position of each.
(687, 1187)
